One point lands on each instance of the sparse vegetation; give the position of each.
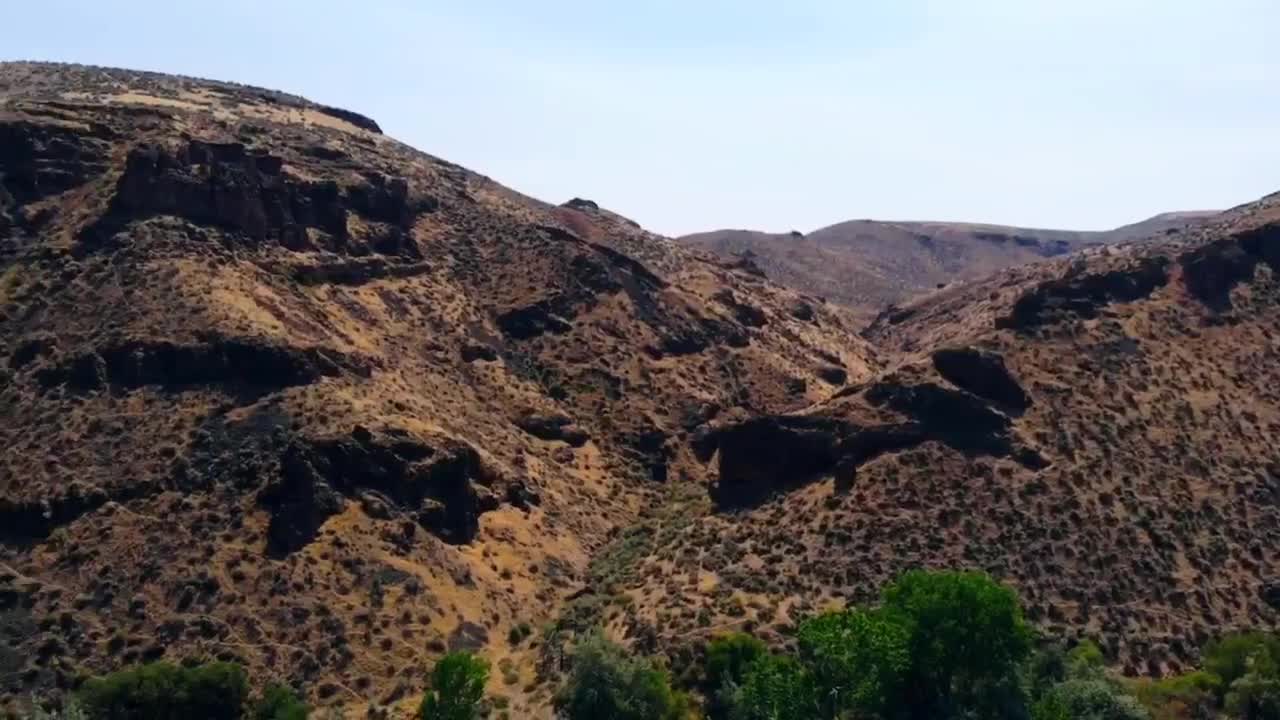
(938, 645)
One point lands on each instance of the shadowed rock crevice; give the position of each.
(240, 366)
(982, 373)
(23, 521)
(1084, 296)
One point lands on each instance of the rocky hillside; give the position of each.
(867, 265)
(280, 389)
(276, 388)
(1097, 430)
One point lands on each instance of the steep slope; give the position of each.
(279, 389)
(1100, 431)
(868, 265)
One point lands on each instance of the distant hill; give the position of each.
(869, 264)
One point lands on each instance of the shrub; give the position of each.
(606, 683)
(1091, 700)
(1046, 668)
(1192, 695)
(71, 710)
(518, 633)
(279, 702)
(457, 688)
(162, 691)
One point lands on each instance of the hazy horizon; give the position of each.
(1085, 115)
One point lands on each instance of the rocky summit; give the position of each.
(276, 388)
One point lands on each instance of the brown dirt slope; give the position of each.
(868, 265)
(1100, 431)
(277, 388)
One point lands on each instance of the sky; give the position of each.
(692, 115)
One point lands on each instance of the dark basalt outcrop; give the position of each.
(1084, 296)
(442, 486)
(594, 272)
(40, 160)
(982, 373)
(27, 520)
(355, 118)
(958, 419)
(748, 315)
(1210, 272)
(542, 317)
(248, 367)
(767, 455)
(248, 192)
(553, 427)
(358, 271)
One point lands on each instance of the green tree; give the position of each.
(776, 688)
(457, 688)
(606, 683)
(729, 656)
(967, 638)
(1046, 668)
(858, 660)
(1255, 695)
(1229, 657)
(162, 691)
(279, 702)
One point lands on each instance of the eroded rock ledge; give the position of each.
(763, 456)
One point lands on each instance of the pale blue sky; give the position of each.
(689, 115)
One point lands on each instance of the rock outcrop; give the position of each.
(1084, 295)
(982, 373)
(444, 486)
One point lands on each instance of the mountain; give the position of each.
(867, 265)
(1097, 429)
(279, 389)
(276, 388)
